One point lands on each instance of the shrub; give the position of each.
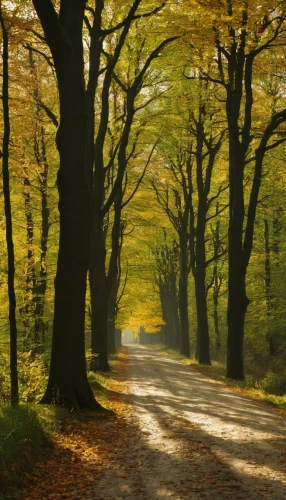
(274, 383)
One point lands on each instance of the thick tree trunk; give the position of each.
(237, 299)
(14, 393)
(68, 384)
(237, 307)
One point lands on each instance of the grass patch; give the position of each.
(24, 437)
(217, 371)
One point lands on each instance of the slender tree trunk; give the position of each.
(183, 301)
(175, 314)
(217, 280)
(268, 294)
(41, 282)
(215, 306)
(118, 338)
(8, 217)
(200, 290)
(99, 299)
(167, 318)
(30, 266)
(202, 318)
(111, 318)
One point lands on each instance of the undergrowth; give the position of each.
(24, 437)
(25, 430)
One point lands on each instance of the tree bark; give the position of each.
(14, 392)
(201, 297)
(237, 298)
(30, 266)
(183, 299)
(268, 294)
(68, 384)
(41, 281)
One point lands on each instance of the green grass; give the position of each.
(217, 372)
(24, 436)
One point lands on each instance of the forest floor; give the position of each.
(175, 434)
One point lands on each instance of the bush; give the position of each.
(21, 438)
(33, 377)
(32, 373)
(274, 383)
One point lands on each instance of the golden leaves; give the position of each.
(85, 447)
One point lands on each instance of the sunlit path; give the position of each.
(196, 439)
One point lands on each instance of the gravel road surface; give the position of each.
(191, 438)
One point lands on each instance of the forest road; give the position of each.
(191, 438)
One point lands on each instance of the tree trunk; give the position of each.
(237, 299)
(175, 315)
(183, 301)
(68, 384)
(202, 318)
(111, 320)
(30, 266)
(41, 281)
(237, 307)
(99, 297)
(268, 294)
(200, 289)
(215, 306)
(167, 318)
(14, 393)
(118, 338)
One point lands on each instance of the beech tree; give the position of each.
(171, 197)
(204, 152)
(68, 382)
(103, 198)
(235, 63)
(166, 271)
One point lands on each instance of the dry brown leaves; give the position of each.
(82, 451)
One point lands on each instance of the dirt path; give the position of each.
(175, 435)
(194, 439)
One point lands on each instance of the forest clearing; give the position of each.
(175, 434)
(142, 193)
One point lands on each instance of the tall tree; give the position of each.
(8, 214)
(103, 199)
(235, 63)
(206, 142)
(68, 382)
(176, 206)
(166, 272)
